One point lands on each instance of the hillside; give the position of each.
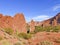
(17, 23)
(15, 31)
(53, 21)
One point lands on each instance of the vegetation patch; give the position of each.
(24, 35)
(46, 43)
(17, 43)
(47, 29)
(8, 30)
(38, 29)
(5, 42)
(1, 38)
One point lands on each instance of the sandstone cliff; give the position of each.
(17, 23)
(32, 25)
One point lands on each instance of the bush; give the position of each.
(32, 32)
(1, 38)
(24, 35)
(5, 42)
(47, 29)
(56, 29)
(46, 43)
(17, 32)
(38, 29)
(17, 43)
(8, 30)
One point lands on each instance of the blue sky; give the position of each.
(32, 9)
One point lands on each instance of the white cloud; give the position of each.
(56, 7)
(41, 17)
(38, 18)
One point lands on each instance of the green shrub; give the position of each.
(32, 32)
(24, 35)
(17, 43)
(29, 36)
(8, 30)
(56, 29)
(5, 42)
(17, 32)
(46, 43)
(38, 29)
(1, 38)
(47, 29)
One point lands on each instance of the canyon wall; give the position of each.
(17, 23)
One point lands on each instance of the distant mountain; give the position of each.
(54, 21)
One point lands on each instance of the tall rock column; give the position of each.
(32, 26)
(54, 22)
(20, 23)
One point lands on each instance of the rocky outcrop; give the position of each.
(32, 26)
(20, 23)
(17, 23)
(54, 22)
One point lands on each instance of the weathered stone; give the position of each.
(20, 23)
(54, 22)
(17, 23)
(32, 26)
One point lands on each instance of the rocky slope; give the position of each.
(6, 39)
(18, 23)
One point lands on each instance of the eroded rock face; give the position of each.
(17, 23)
(32, 26)
(54, 22)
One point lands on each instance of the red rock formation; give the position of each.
(16, 23)
(32, 26)
(46, 23)
(20, 23)
(54, 21)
